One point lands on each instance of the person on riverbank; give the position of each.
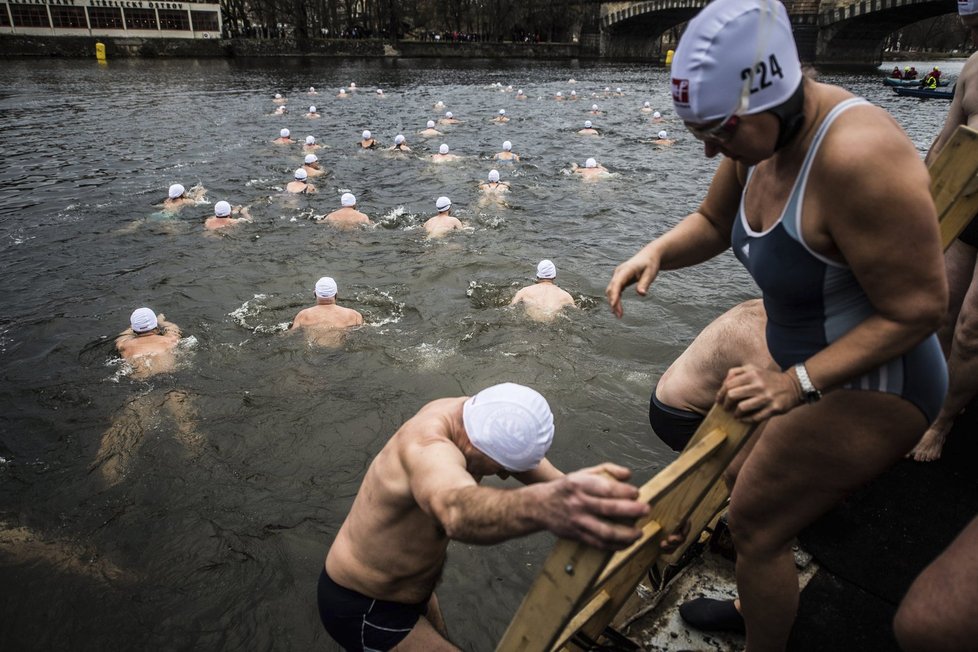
(444, 222)
(959, 333)
(507, 154)
(367, 141)
(326, 323)
(284, 138)
(588, 129)
(444, 155)
(299, 184)
(429, 131)
(177, 197)
(346, 217)
(149, 344)
(543, 300)
(225, 215)
(862, 298)
(424, 490)
(591, 171)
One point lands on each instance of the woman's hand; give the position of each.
(754, 394)
(642, 268)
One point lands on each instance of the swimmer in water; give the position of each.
(224, 216)
(400, 144)
(278, 99)
(443, 155)
(177, 198)
(280, 110)
(656, 116)
(313, 113)
(380, 94)
(444, 222)
(494, 186)
(507, 154)
(326, 323)
(347, 217)
(501, 118)
(429, 131)
(299, 185)
(662, 138)
(311, 145)
(520, 95)
(543, 300)
(312, 91)
(595, 110)
(149, 343)
(591, 170)
(284, 138)
(353, 86)
(449, 119)
(312, 167)
(573, 95)
(367, 140)
(588, 129)
(439, 105)
(646, 107)
(559, 96)
(342, 94)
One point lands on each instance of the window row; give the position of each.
(108, 18)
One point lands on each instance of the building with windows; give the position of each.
(125, 18)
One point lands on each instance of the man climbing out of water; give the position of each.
(376, 590)
(148, 344)
(326, 322)
(543, 300)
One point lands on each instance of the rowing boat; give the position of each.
(925, 93)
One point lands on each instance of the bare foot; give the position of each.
(929, 448)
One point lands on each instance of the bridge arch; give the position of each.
(632, 29)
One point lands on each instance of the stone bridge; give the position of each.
(828, 32)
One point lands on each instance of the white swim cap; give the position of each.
(222, 209)
(493, 176)
(278, 96)
(380, 92)
(284, 133)
(559, 94)
(967, 7)
(590, 163)
(143, 320)
(663, 134)
(618, 90)
(546, 269)
(448, 114)
(348, 199)
(511, 424)
(398, 139)
(431, 124)
(571, 81)
(443, 149)
(353, 85)
(342, 91)
(509, 87)
(312, 109)
(594, 107)
(647, 105)
(300, 175)
(574, 93)
(310, 140)
(311, 158)
(366, 134)
(325, 288)
(443, 204)
(607, 88)
(502, 111)
(724, 39)
(439, 104)
(587, 124)
(175, 191)
(656, 114)
(312, 89)
(519, 92)
(508, 146)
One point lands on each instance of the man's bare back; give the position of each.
(327, 324)
(346, 218)
(441, 225)
(543, 300)
(150, 353)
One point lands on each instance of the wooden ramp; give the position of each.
(580, 589)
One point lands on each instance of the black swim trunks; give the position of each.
(970, 234)
(359, 623)
(672, 425)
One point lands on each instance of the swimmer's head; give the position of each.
(618, 90)
(594, 107)
(559, 94)
(310, 140)
(366, 134)
(312, 89)
(312, 109)
(502, 111)
(431, 124)
(507, 146)
(511, 424)
(399, 139)
(590, 163)
(509, 88)
(326, 288)
(222, 209)
(380, 91)
(646, 105)
(726, 37)
(342, 91)
(300, 175)
(587, 124)
(439, 104)
(176, 190)
(656, 114)
(493, 176)
(663, 135)
(607, 89)
(449, 115)
(519, 92)
(353, 85)
(348, 199)
(143, 320)
(310, 159)
(443, 204)
(285, 133)
(546, 269)
(278, 96)
(573, 93)
(443, 149)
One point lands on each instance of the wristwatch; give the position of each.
(808, 392)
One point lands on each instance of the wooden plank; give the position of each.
(952, 184)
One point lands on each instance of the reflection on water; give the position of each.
(192, 510)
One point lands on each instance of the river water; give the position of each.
(193, 510)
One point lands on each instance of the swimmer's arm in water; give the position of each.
(168, 328)
(518, 297)
(242, 213)
(701, 235)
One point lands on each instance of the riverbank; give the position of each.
(81, 47)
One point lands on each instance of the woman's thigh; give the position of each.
(807, 460)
